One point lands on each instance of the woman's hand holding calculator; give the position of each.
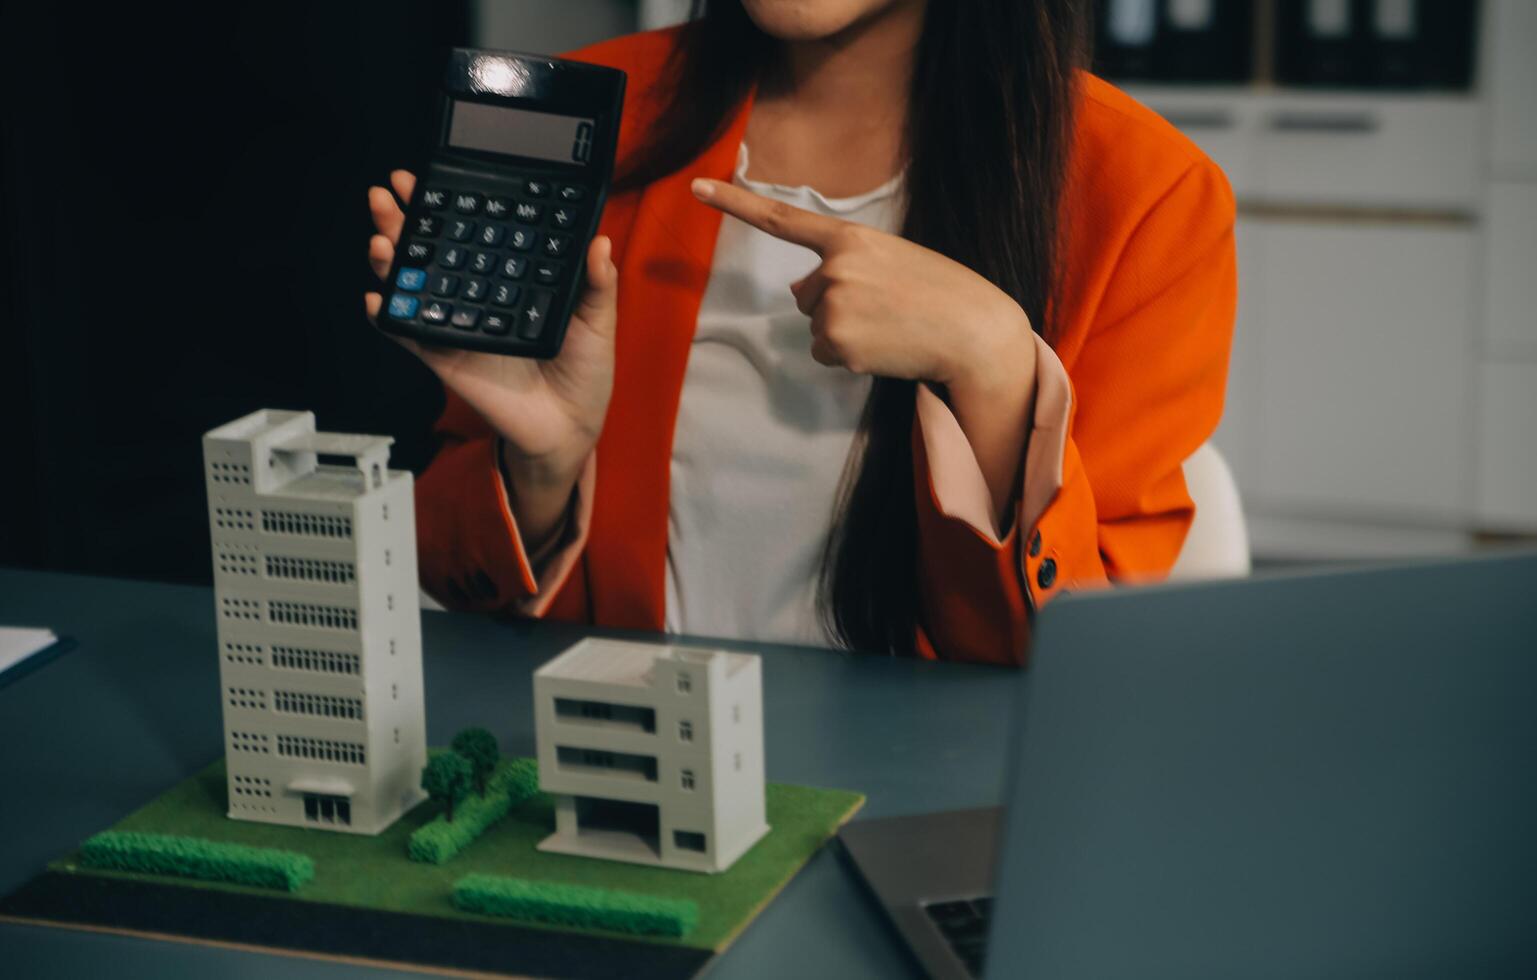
(548, 412)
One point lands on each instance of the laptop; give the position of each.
(1303, 775)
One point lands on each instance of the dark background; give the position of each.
(185, 225)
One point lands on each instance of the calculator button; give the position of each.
(436, 312)
(484, 263)
(460, 230)
(453, 257)
(547, 273)
(522, 239)
(467, 202)
(403, 307)
(529, 213)
(427, 225)
(570, 192)
(563, 217)
(514, 267)
(504, 295)
(491, 234)
(466, 319)
(536, 188)
(556, 246)
(445, 285)
(411, 280)
(497, 323)
(435, 198)
(498, 207)
(475, 290)
(531, 320)
(420, 252)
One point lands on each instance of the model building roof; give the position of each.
(624, 662)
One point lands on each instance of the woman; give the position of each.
(967, 312)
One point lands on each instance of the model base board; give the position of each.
(369, 901)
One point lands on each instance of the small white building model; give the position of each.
(654, 753)
(320, 670)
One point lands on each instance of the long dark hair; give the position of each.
(989, 126)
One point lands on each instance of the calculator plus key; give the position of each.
(532, 320)
(453, 257)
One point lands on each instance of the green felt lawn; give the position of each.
(374, 872)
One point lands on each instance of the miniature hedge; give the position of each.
(194, 857)
(514, 781)
(575, 905)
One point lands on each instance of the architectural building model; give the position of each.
(653, 753)
(314, 555)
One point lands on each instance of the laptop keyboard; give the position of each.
(964, 925)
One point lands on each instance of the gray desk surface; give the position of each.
(135, 707)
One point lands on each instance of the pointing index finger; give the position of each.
(784, 221)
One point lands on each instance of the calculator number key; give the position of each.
(522, 239)
(475, 290)
(531, 321)
(492, 234)
(484, 263)
(453, 257)
(443, 285)
(460, 230)
(504, 294)
(514, 267)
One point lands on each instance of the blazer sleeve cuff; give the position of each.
(959, 490)
(545, 571)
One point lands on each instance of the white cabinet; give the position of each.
(1364, 333)
(1238, 435)
(1507, 447)
(1510, 270)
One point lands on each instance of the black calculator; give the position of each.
(520, 155)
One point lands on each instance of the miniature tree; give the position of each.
(479, 746)
(446, 777)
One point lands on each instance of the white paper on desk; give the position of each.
(17, 643)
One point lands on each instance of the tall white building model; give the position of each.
(654, 753)
(320, 669)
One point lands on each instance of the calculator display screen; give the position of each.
(520, 132)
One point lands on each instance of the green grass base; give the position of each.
(375, 873)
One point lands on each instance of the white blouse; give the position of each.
(763, 434)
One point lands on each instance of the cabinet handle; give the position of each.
(1324, 122)
(1199, 118)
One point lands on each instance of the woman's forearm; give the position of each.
(539, 493)
(992, 393)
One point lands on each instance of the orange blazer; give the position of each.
(1144, 326)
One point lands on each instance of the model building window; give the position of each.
(688, 840)
(685, 731)
(685, 682)
(688, 779)
(736, 714)
(327, 809)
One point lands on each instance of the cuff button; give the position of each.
(1046, 575)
